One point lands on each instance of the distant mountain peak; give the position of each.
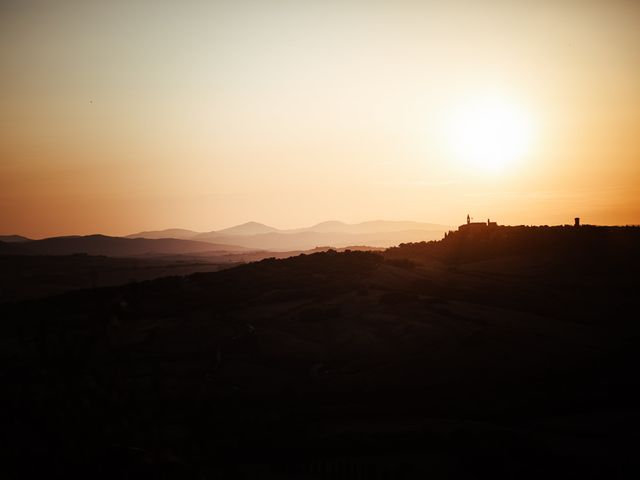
(248, 228)
(252, 224)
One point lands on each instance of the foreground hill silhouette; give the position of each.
(506, 354)
(25, 277)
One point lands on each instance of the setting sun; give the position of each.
(490, 133)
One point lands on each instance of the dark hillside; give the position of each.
(584, 274)
(589, 243)
(444, 360)
(25, 277)
(116, 246)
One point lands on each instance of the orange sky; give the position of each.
(117, 118)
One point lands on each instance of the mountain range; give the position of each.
(254, 235)
(247, 237)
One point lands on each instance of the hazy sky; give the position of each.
(121, 116)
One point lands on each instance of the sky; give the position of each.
(117, 117)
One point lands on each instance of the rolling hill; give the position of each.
(14, 239)
(115, 246)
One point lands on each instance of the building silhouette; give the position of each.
(477, 226)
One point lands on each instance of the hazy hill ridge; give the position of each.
(378, 233)
(255, 228)
(249, 228)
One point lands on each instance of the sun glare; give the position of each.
(490, 134)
